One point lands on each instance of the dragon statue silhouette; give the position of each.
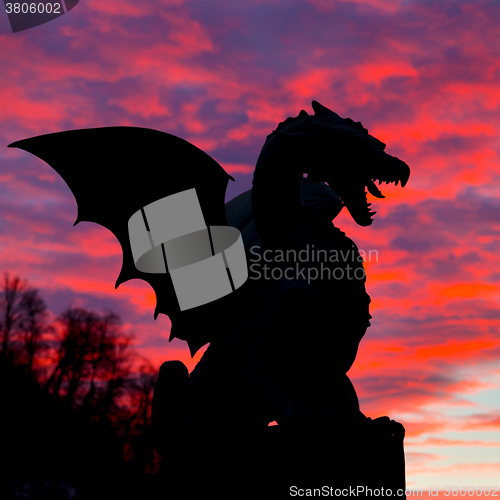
(280, 346)
(285, 351)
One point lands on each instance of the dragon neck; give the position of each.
(276, 198)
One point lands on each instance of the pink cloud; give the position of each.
(422, 76)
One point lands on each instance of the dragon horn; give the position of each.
(320, 110)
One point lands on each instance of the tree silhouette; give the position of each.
(11, 310)
(90, 410)
(138, 448)
(33, 325)
(92, 361)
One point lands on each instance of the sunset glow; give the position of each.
(421, 76)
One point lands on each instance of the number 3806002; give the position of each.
(33, 8)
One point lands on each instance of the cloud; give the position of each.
(456, 442)
(484, 421)
(421, 76)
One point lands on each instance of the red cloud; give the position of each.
(455, 350)
(422, 77)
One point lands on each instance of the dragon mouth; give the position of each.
(399, 177)
(355, 196)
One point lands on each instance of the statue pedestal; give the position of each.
(362, 461)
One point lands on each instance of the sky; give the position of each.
(422, 76)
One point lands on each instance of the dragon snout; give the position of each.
(385, 168)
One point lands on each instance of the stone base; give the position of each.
(311, 461)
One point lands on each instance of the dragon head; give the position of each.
(342, 153)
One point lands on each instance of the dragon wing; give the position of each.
(113, 172)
